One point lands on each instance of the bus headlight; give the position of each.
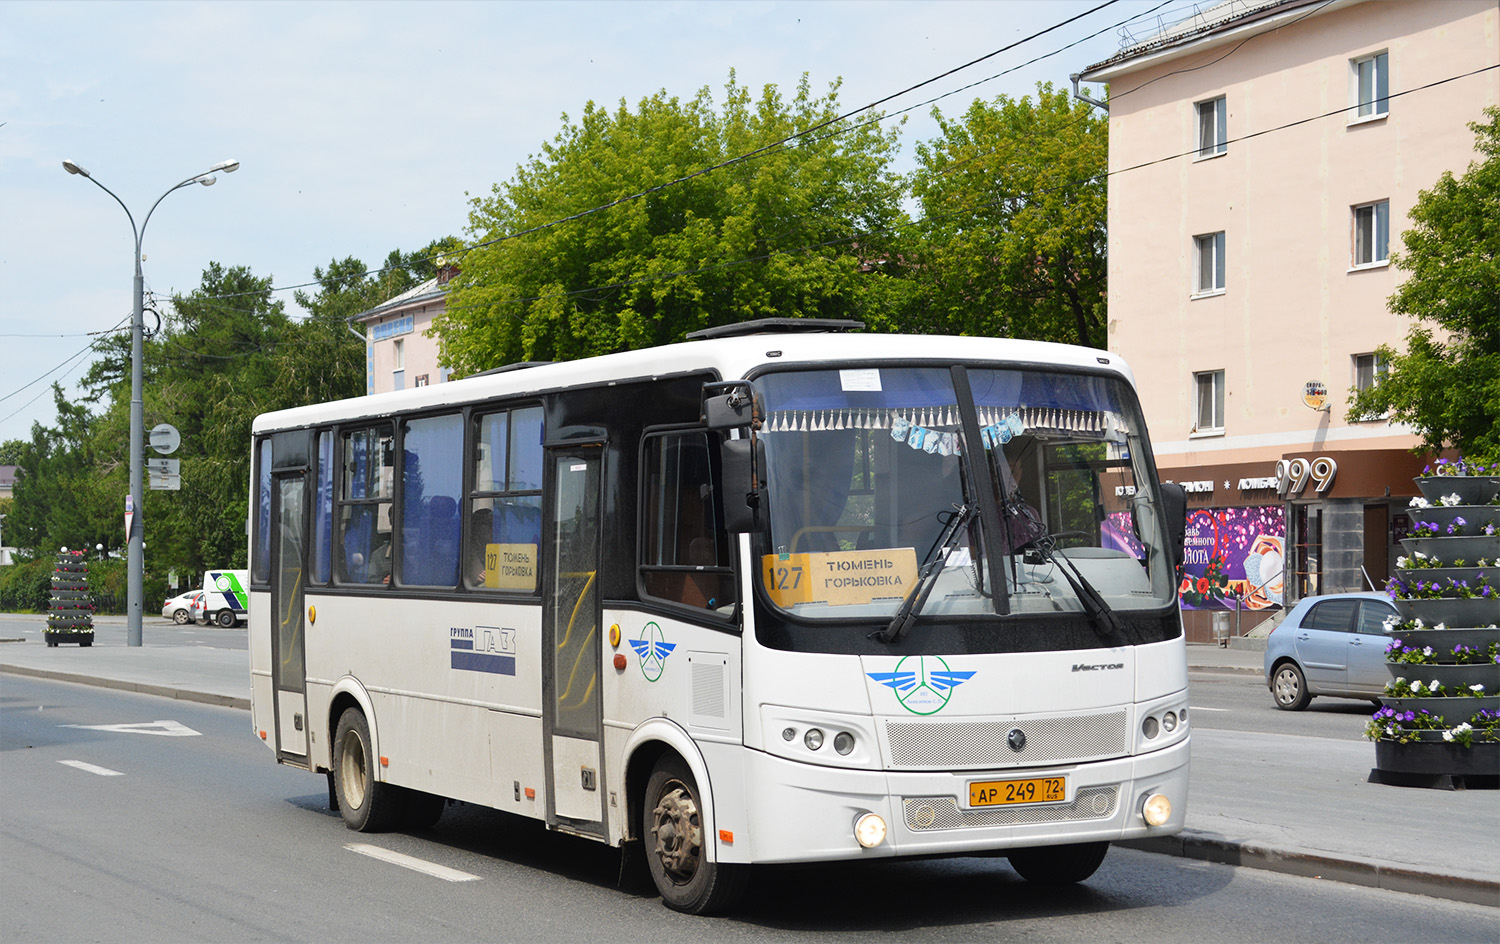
(813, 739)
(869, 830)
(1156, 810)
(843, 742)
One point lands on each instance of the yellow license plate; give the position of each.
(1007, 792)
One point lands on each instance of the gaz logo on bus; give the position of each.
(483, 649)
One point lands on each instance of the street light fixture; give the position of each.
(134, 556)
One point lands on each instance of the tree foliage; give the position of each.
(1013, 200)
(1447, 381)
(778, 234)
(226, 352)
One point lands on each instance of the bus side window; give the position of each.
(684, 556)
(363, 546)
(504, 518)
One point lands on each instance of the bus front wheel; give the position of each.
(672, 830)
(367, 805)
(1058, 865)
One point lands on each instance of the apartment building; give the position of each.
(398, 352)
(1264, 155)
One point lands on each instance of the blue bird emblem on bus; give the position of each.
(652, 650)
(923, 684)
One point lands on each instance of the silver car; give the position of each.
(1329, 645)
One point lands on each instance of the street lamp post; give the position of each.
(135, 564)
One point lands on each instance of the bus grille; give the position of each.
(942, 812)
(952, 744)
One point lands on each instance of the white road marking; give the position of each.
(101, 771)
(1196, 708)
(409, 862)
(175, 729)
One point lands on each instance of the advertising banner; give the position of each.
(1234, 552)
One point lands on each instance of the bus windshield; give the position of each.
(874, 487)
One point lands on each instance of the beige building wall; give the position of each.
(1294, 308)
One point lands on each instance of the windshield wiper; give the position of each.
(1106, 623)
(927, 575)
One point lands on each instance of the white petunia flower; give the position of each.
(1477, 689)
(1447, 735)
(1441, 626)
(1420, 502)
(1450, 500)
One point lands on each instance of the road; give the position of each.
(179, 826)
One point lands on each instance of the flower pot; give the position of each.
(1470, 489)
(1439, 757)
(1443, 640)
(1475, 518)
(1453, 710)
(1469, 575)
(1466, 548)
(1453, 612)
(1450, 676)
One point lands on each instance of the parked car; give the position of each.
(179, 609)
(1329, 645)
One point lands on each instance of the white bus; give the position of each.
(776, 594)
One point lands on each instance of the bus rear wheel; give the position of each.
(1058, 865)
(366, 804)
(672, 829)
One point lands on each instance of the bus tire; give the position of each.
(421, 810)
(1058, 865)
(672, 830)
(367, 805)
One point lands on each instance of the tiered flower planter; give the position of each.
(70, 613)
(1447, 599)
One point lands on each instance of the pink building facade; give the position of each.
(398, 352)
(1264, 156)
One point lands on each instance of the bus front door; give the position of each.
(570, 682)
(288, 674)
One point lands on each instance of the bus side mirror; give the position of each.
(732, 404)
(1174, 509)
(729, 411)
(741, 461)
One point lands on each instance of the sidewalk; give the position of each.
(1298, 805)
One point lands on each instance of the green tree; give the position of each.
(1013, 215)
(774, 235)
(62, 488)
(1447, 382)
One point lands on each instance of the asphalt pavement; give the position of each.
(1287, 803)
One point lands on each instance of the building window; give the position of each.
(398, 360)
(1369, 77)
(1369, 372)
(1208, 252)
(1372, 233)
(1208, 401)
(1213, 122)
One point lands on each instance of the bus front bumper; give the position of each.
(802, 812)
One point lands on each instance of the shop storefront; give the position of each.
(1263, 535)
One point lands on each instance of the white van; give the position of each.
(224, 598)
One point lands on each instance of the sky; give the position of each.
(366, 127)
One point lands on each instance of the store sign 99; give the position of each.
(1292, 475)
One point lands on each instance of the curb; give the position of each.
(163, 691)
(1226, 670)
(1347, 869)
